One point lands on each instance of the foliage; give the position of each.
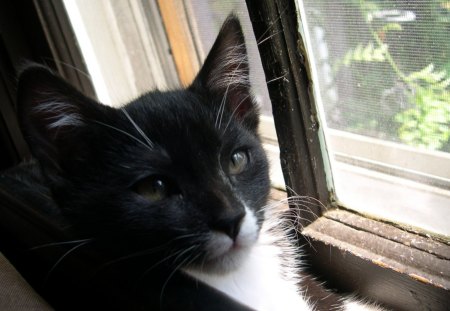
(425, 120)
(427, 124)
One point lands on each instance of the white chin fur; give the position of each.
(223, 254)
(254, 274)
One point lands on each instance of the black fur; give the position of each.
(93, 157)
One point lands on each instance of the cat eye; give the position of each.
(238, 162)
(154, 188)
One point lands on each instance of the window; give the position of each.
(350, 83)
(357, 252)
(382, 73)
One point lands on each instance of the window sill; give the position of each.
(407, 203)
(403, 270)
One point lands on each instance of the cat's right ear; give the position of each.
(51, 114)
(226, 74)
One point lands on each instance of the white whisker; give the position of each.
(268, 38)
(273, 24)
(69, 66)
(59, 243)
(276, 79)
(62, 258)
(140, 131)
(123, 132)
(147, 251)
(182, 263)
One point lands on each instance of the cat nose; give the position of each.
(230, 225)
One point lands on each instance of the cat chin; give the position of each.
(223, 255)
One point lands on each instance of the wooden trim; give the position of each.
(180, 39)
(66, 53)
(289, 84)
(426, 166)
(400, 269)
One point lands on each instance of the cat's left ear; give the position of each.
(53, 116)
(225, 74)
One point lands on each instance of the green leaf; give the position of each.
(391, 26)
(421, 74)
(443, 84)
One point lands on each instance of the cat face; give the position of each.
(181, 174)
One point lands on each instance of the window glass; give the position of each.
(124, 47)
(206, 18)
(382, 80)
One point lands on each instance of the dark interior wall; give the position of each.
(21, 39)
(37, 31)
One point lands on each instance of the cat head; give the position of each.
(183, 168)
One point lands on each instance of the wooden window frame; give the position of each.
(404, 270)
(66, 54)
(36, 31)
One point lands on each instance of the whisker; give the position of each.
(163, 260)
(140, 131)
(273, 24)
(185, 251)
(70, 251)
(287, 223)
(290, 218)
(123, 132)
(268, 38)
(177, 253)
(305, 200)
(276, 79)
(87, 75)
(144, 252)
(58, 244)
(186, 260)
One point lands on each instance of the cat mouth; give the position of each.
(223, 254)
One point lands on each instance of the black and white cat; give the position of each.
(179, 177)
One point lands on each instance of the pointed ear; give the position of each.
(225, 74)
(51, 113)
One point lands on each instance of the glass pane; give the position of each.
(124, 47)
(206, 18)
(383, 84)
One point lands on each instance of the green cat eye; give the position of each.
(238, 162)
(153, 188)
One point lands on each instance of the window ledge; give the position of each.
(401, 269)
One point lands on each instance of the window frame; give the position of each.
(66, 54)
(351, 254)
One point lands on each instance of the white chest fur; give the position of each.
(260, 281)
